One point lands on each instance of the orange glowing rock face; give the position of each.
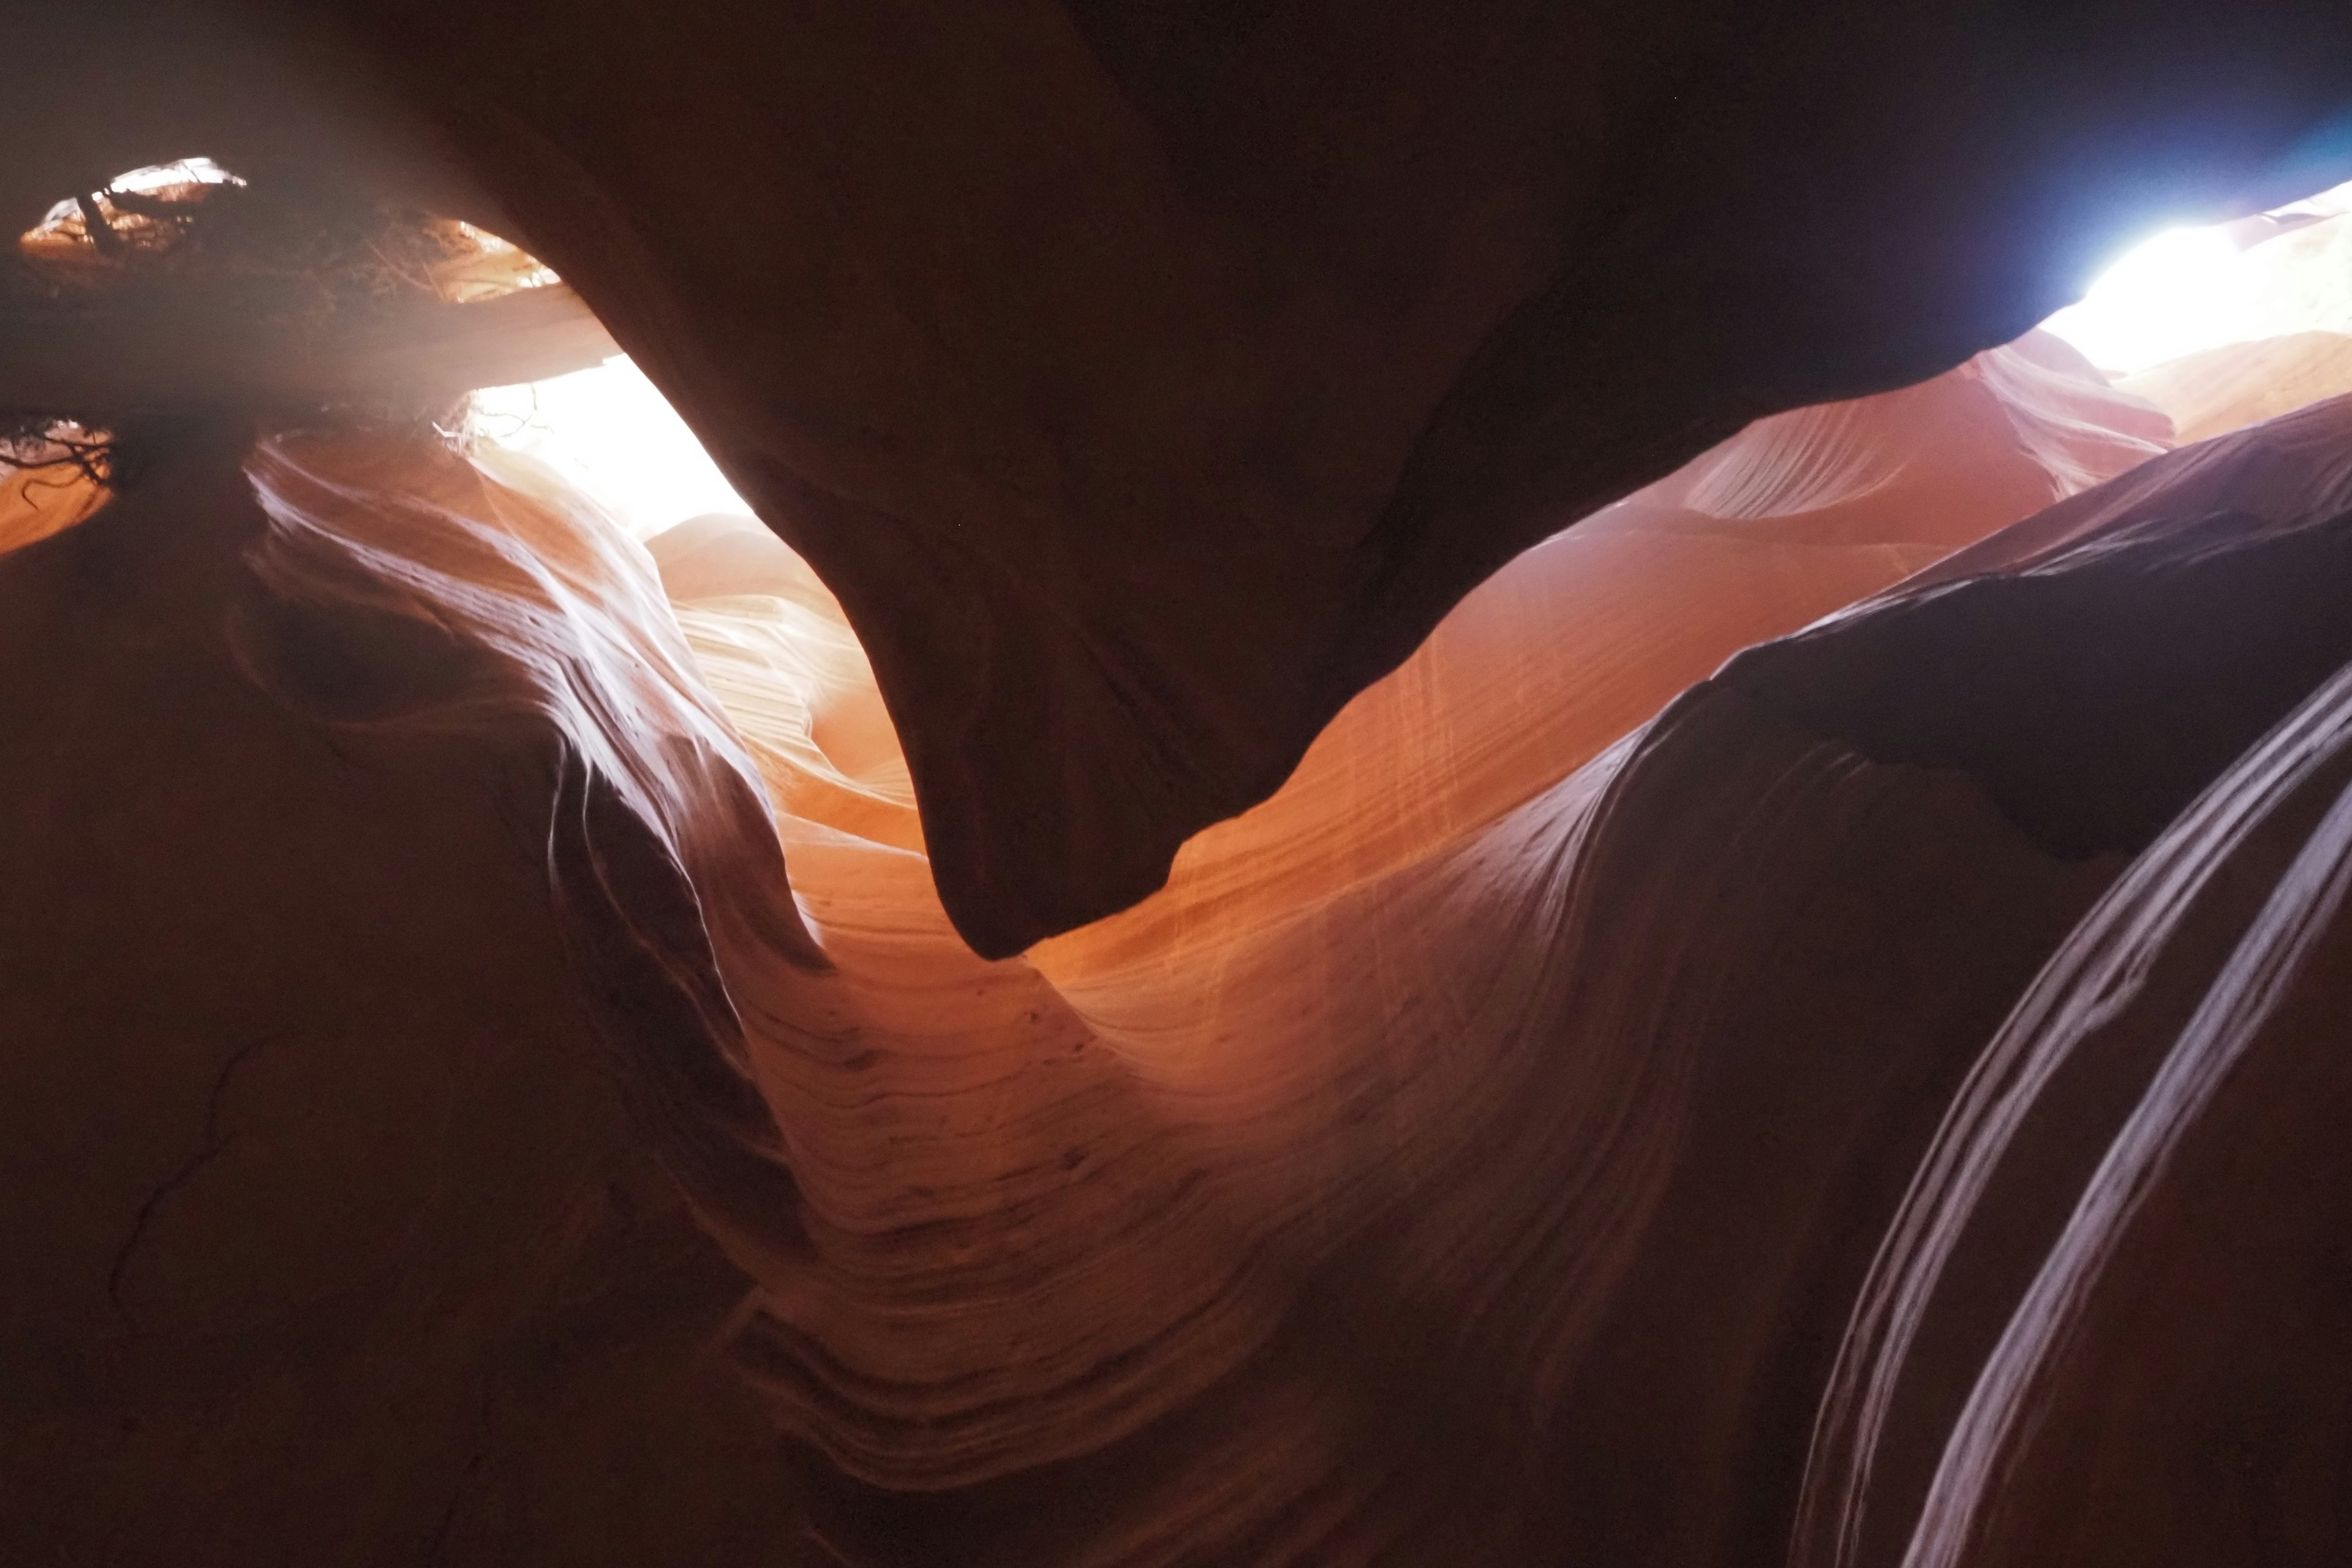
(1058, 1203)
(1584, 638)
(779, 654)
(1597, 1105)
(1801, 1027)
(37, 503)
(2228, 388)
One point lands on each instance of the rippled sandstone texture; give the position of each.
(1580, 1180)
(1584, 638)
(337, 1229)
(1874, 1106)
(1601, 1199)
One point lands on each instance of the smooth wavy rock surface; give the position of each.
(1164, 1204)
(344, 1099)
(2106, 1323)
(1149, 377)
(2228, 388)
(1585, 636)
(1509, 1206)
(1800, 1132)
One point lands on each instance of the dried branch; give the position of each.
(101, 233)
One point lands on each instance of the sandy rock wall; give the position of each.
(1633, 1174)
(339, 1223)
(1264, 1147)
(504, 1086)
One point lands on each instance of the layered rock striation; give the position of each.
(1798, 1028)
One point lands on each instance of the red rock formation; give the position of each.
(387, 628)
(343, 939)
(1503, 1199)
(2220, 390)
(1372, 1223)
(1872, 1107)
(2075, 1172)
(1346, 415)
(1183, 1141)
(1148, 380)
(1565, 650)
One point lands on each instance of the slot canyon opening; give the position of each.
(523, 1074)
(182, 292)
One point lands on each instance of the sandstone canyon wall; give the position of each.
(1366, 891)
(1505, 1145)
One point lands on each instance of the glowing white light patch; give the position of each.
(156, 177)
(182, 172)
(608, 431)
(2180, 292)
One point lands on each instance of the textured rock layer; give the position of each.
(1795, 1023)
(1763, 1138)
(341, 1222)
(1147, 379)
